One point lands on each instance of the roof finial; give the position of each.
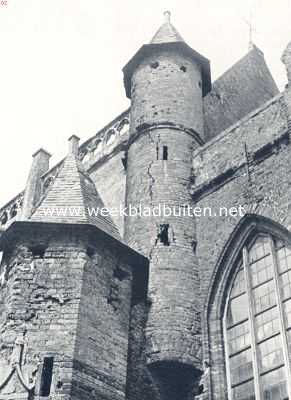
(167, 15)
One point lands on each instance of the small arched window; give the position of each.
(257, 323)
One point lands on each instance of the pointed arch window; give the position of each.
(257, 323)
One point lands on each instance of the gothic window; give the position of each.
(257, 323)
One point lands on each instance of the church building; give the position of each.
(100, 300)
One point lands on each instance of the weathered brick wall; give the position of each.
(100, 358)
(174, 285)
(40, 293)
(166, 87)
(230, 171)
(140, 382)
(71, 296)
(166, 114)
(248, 165)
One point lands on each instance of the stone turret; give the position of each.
(166, 81)
(67, 285)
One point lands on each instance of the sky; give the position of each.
(61, 63)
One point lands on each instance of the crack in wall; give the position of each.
(152, 178)
(152, 181)
(150, 256)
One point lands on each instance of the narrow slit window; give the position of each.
(38, 251)
(46, 376)
(164, 234)
(165, 152)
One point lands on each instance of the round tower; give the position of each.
(166, 81)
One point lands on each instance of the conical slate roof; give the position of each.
(167, 33)
(71, 198)
(167, 37)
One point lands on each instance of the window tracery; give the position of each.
(257, 323)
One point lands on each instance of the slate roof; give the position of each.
(168, 38)
(247, 85)
(71, 190)
(167, 33)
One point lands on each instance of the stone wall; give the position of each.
(248, 165)
(229, 171)
(41, 285)
(152, 181)
(167, 87)
(64, 295)
(100, 359)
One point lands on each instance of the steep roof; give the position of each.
(167, 38)
(71, 197)
(247, 85)
(167, 33)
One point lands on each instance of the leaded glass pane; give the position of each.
(267, 324)
(241, 368)
(287, 313)
(238, 286)
(289, 341)
(261, 270)
(274, 385)
(245, 391)
(285, 285)
(239, 337)
(259, 249)
(284, 259)
(264, 296)
(237, 310)
(270, 353)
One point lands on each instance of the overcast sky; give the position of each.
(61, 61)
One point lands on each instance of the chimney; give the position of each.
(74, 145)
(40, 165)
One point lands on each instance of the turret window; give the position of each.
(165, 152)
(154, 64)
(38, 251)
(46, 376)
(257, 323)
(163, 235)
